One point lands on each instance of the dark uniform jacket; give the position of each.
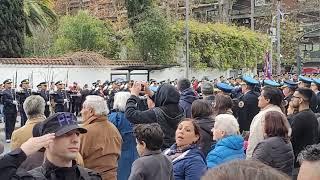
(248, 108)
(59, 97)
(10, 163)
(22, 96)
(8, 98)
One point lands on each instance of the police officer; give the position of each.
(21, 97)
(248, 103)
(61, 98)
(288, 89)
(44, 93)
(315, 86)
(9, 109)
(269, 82)
(305, 82)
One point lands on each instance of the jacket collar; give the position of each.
(35, 120)
(93, 119)
(49, 167)
(148, 153)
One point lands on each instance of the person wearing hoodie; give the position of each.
(229, 143)
(187, 96)
(201, 113)
(187, 159)
(167, 112)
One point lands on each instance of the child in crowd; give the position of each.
(152, 164)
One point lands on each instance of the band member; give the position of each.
(61, 99)
(9, 109)
(44, 93)
(21, 97)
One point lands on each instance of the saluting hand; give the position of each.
(36, 143)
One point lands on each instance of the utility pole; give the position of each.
(187, 39)
(278, 37)
(252, 15)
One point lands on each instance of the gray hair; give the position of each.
(34, 106)
(120, 101)
(227, 123)
(98, 104)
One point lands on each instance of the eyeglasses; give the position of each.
(298, 98)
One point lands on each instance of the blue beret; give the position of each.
(290, 84)
(317, 81)
(305, 79)
(250, 80)
(224, 87)
(272, 83)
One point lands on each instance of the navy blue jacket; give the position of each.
(227, 149)
(190, 165)
(128, 149)
(186, 99)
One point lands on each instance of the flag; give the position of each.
(267, 66)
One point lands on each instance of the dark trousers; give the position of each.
(59, 108)
(76, 108)
(10, 122)
(47, 111)
(23, 117)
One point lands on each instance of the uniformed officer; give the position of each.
(315, 86)
(288, 89)
(305, 82)
(225, 88)
(61, 98)
(21, 97)
(269, 82)
(44, 93)
(9, 109)
(248, 103)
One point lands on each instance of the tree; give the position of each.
(85, 32)
(154, 37)
(11, 28)
(135, 8)
(38, 13)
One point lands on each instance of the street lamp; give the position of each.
(187, 39)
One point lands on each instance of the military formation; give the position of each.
(244, 91)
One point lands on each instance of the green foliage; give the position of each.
(135, 8)
(221, 46)
(85, 32)
(38, 13)
(11, 28)
(289, 40)
(154, 37)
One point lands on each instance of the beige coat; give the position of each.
(24, 133)
(101, 147)
(257, 128)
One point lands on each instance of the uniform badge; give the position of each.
(241, 104)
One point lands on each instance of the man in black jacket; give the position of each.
(167, 112)
(61, 141)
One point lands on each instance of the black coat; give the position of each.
(248, 108)
(206, 141)
(275, 152)
(7, 99)
(167, 112)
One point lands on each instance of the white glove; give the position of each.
(15, 102)
(48, 103)
(65, 100)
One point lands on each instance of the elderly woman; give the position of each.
(229, 143)
(128, 150)
(187, 159)
(34, 107)
(101, 146)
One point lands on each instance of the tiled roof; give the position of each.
(69, 62)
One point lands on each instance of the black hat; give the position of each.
(60, 123)
(58, 82)
(39, 85)
(7, 81)
(43, 83)
(25, 81)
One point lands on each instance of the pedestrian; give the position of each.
(167, 112)
(152, 164)
(222, 105)
(101, 146)
(229, 144)
(269, 100)
(304, 123)
(202, 113)
(9, 109)
(276, 149)
(187, 159)
(244, 170)
(128, 149)
(309, 159)
(34, 106)
(187, 96)
(207, 92)
(60, 137)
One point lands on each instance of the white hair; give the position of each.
(34, 106)
(227, 123)
(97, 103)
(120, 101)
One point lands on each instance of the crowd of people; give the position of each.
(235, 128)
